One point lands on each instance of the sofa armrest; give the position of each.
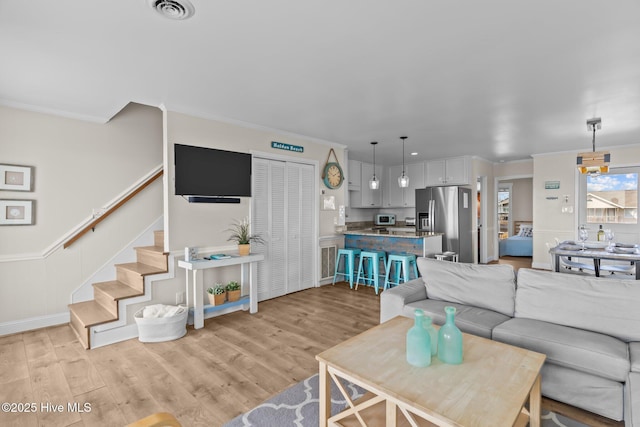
(392, 301)
(634, 356)
(632, 400)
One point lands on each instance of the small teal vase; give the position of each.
(450, 339)
(418, 343)
(433, 334)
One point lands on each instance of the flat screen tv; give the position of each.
(208, 172)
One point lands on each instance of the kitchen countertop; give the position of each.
(406, 232)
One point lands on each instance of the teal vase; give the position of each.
(450, 339)
(433, 335)
(418, 343)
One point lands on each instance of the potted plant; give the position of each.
(241, 235)
(216, 294)
(233, 291)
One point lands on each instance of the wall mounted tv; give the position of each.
(210, 175)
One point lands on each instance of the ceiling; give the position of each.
(499, 79)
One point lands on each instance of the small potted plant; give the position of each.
(216, 294)
(233, 291)
(241, 235)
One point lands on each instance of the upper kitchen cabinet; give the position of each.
(366, 197)
(396, 197)
(354, 175)
(454, 171)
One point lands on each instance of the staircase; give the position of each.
(129, 283)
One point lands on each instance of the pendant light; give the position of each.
(403, 180)
(595, 162)
(374, 183)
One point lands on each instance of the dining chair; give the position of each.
(569, 264)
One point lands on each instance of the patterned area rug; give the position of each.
(298, 406)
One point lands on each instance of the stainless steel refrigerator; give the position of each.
(447, 210)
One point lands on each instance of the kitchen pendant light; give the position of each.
(403, 180)
(595, 162)
(374, 183)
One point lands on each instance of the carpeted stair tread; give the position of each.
(91, 313)
(117, 290)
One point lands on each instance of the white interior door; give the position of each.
(307, 210)
(269, 222)
(283, 214)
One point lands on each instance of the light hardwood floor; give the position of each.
(516, 261)
(205, 378)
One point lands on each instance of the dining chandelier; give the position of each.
(594, 162)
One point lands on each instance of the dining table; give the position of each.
(597, 252)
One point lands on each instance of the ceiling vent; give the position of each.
(173, 9)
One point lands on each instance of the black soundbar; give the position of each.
(199, 199)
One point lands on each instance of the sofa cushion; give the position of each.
(485, 286)
(607, 306)
(584, 351)
(472, 320)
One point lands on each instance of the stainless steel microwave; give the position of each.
(385, 219)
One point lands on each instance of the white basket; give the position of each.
(158, 329)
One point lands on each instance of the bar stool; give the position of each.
(447, 256)
(401, 264)
(372, 274)
(350, 255)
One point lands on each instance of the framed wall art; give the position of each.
(16, 178)
(17, 212)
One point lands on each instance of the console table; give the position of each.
(194, 278)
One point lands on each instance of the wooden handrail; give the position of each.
(111, 210)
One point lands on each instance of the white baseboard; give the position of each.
(32, 323)
(541, 266)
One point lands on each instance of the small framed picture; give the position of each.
(16, 178)
(17, 212)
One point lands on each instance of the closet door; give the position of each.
(294, 256)
(284, 209)
(268, 202)
(300, 241)
(308, 243)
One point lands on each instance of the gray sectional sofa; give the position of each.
(588, 327)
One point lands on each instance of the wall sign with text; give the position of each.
(287, 147)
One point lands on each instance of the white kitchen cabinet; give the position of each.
(453, 171)
(366, 197)
(354, 177)
(396, 197)
(393, 195)
(370, 198)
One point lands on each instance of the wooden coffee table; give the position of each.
(490, 388)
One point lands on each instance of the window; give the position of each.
(504, 220)
(611, 200)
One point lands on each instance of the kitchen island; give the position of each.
(395, 240)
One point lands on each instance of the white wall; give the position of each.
(79, 166)
(205, 224)
(549, 222)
